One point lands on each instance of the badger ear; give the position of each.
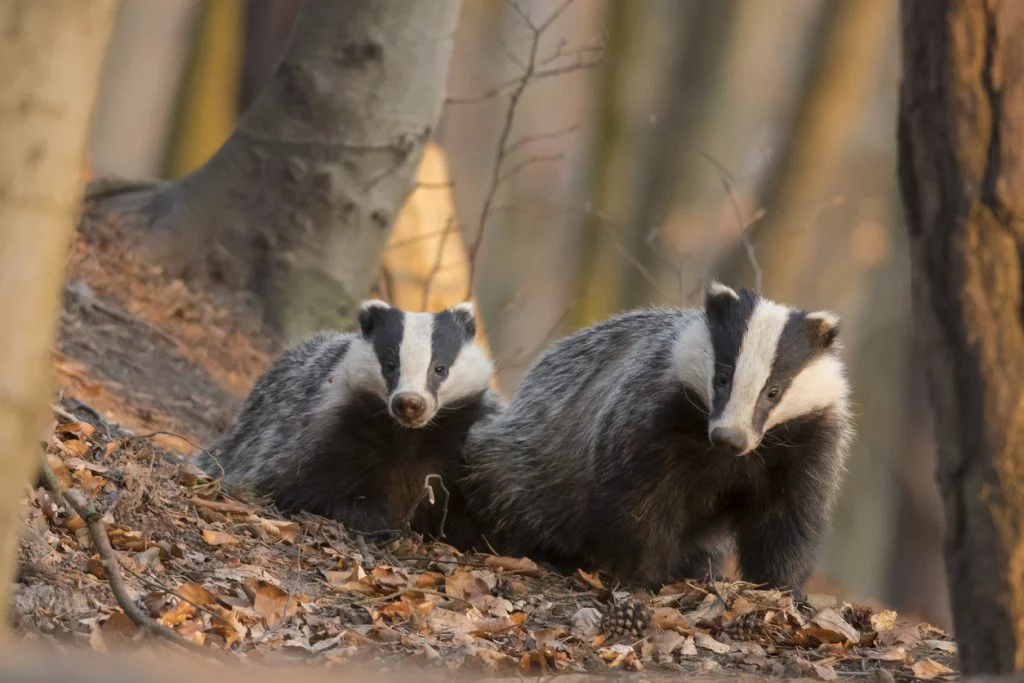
(823, 327)
(715, 294)
(465, 316)
(369, 311)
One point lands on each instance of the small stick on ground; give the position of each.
(108, 557)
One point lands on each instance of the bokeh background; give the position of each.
(656, 142)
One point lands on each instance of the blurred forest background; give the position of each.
(655, 143)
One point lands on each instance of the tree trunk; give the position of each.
(845, 64)
(267, 25)
(50, 57)
(297, 205)
(961, 170)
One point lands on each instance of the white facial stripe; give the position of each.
(469, 374)
(358, 371)
(753, 365)
(415, 353)
(819, 384)
(693, 358)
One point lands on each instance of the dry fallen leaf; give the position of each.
(705, 641)
(60, 469)
(518, 565)
(895, 653)
(214, 537)
(928, 668)
(883, 621)
(590, 579)
(78, 430)
(273, 604)
(466, 585)
(670, 618)
(944, 645)
(829, 627)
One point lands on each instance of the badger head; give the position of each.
(425, 361)
(759, 364)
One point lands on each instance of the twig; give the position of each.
(428, 494)
(109, 559)
(60, 412)
(153, 583)
(497, 176)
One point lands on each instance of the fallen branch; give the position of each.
(109, 559)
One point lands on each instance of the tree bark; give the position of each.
(298, 204)
(267, 25)
(961, 171)
(50, 57)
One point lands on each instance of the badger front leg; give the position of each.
(779, 547)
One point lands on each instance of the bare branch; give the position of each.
(531, 160)
(537, 137)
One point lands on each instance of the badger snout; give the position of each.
(409, 408)
(732, 439)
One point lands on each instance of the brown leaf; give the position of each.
(883, 621)
(225, 506)
(119, 624)
(60, 469)
(79, 464)
(829, 627)
(428, 580)
(518, 565)
(944, 645)
(466, 585)
(273, 604)
(823, 672)
(710, 609)
(896, 653)
(196, 594)
(279, 529)
(667, 642)
(494, 661)
(740, 606)
(928, 668)
(703, 640)
(94, 565)
(670, 618)
(389, 577)
(77, 430)
(214, 537)
(590, 579)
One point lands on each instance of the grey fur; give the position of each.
(602, 460)
(313, 436)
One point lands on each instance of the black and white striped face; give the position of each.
(425, 360)
(759, 364)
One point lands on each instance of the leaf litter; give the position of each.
(235, 577)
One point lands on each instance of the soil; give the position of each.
(150, 370)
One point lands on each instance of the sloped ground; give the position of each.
(138, 352)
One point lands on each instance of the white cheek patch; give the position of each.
(414, 356)
(469, 374)
(753, 366)
(820, 384)
(358, 372)
(693, 358)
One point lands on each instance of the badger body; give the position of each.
(350, 425)
(650, 444)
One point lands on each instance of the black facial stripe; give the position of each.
(794, 351)
(446, 342)
(388, 330)
(727, 320)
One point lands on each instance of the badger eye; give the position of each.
(441, 370)
(722, 378)
(773, 394)
(390, 366)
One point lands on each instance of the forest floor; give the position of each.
(149, 369)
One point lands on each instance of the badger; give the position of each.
(653, 443)
(350, 426)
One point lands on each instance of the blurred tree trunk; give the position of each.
(142, 72)
(692, 85)
(844, 63)
(961, 171)
(297, 205)
(601, 269)
(50, 57)
(207, 106)
(267, 26)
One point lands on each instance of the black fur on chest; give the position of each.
(369, 472)
(669, 502)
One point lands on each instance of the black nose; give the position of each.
(409, 406)
(730, 438)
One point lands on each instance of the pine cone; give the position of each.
(628, 617)
(749, 626)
